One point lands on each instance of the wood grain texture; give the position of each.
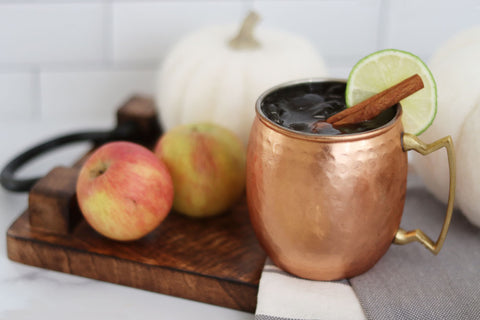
(52, 203)
(216, 260)
(141, 111)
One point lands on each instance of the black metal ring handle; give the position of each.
(125, 131)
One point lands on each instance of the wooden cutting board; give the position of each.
(216, 260)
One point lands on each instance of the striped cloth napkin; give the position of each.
(407, 283)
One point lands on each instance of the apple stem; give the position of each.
(98, 171)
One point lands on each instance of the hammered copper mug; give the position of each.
(328, 207)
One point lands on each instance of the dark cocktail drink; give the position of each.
(305, 106)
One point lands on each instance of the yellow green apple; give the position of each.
(124, 191)
(207, 164)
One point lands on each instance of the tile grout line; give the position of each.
(383, 12)
(36, 95)
(108, 30)
(78, 67)
(49, 2)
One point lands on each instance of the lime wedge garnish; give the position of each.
(382, 70)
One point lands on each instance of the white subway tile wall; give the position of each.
(339, 29)
(422, 26)
(145, 31)
(70, 59)
(32, 34)
(18, 95)
(78, 94)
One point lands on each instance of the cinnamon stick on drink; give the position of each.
(373, 106)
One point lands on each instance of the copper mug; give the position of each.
(328, 207)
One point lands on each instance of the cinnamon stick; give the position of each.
(373, 106)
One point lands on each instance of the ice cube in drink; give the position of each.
(304, 107)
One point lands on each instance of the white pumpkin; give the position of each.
(207, 76)
(456, 68)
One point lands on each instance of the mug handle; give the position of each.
(411, 142)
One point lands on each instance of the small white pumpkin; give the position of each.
(456, 68)
(212, 76)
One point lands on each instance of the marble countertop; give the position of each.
(32, 293)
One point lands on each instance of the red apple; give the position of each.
(124, 191)
(207, 164)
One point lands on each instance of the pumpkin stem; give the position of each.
(244, 39)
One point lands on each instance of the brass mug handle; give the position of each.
(411, 142)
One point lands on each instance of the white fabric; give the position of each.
(284, 296)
